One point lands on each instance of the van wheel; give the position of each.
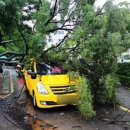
(34, 101)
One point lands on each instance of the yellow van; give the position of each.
(49, 87)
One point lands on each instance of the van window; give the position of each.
(43, 69)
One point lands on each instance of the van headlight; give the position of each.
(41, 89)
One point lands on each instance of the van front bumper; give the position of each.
(48, 101)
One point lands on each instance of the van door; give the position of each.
(29, 80)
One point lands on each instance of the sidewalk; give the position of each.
(6, 123)
(5, 84)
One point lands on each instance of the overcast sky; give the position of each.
(99, 3)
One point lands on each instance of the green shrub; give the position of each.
(124, 69)
(85, 98)
(125, 80)
(108, 94)
(124, 73)
(73, 75)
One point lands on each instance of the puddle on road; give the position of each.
(36, 123)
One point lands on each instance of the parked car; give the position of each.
(49, 86)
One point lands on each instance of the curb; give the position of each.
(124, 108)
(10, 86)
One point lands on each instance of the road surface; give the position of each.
(17, 112)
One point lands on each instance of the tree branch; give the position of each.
(55, 29)
(6, 42)
(22, 35)
(53, 47)
(100, 11)
(11, 53)
(40, 2)
(53, 13)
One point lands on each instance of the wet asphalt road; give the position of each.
(9, 106)
(18, 110)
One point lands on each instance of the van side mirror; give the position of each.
(33, 74)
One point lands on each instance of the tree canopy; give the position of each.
(94, 37)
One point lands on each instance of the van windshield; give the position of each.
(43, 69)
